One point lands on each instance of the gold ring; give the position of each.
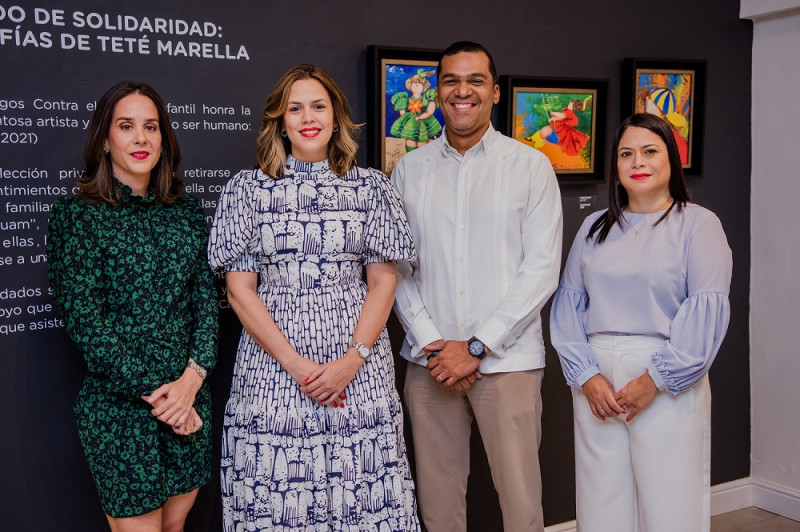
(189, 428)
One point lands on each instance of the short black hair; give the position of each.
(468, 46)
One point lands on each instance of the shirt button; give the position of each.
(461, 226)
(463, 194)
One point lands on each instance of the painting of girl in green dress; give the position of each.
(412, 117)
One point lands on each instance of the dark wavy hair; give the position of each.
(97, 184)
(468, 46)
(618, 196)
(272, 148)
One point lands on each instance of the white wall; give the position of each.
(775, 249)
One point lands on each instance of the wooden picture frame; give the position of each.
(563, 118)
(402, 88)
(675, 90)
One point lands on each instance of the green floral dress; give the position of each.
(136, 295)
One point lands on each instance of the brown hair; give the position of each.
(96, 185)
(273, 149)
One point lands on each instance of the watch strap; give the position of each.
(363, 350)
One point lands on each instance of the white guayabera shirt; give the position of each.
(487, 227)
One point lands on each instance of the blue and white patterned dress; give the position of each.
(287, 463)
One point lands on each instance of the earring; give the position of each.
(335, 129)
(105, 150)
(161, 152)
(283, 132)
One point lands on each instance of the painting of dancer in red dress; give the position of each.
(559, 124)
(561, 130)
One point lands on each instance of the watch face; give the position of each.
(476, 348)
(364, 352)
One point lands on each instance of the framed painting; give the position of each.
(403, 112)
(563, 118)
(675, 91)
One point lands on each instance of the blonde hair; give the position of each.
(272, 149)
(420, 77)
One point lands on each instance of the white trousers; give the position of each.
(651, 474)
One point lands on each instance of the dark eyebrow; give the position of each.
(315, 101)
(468, 76)
(645, 146)
(129, 119)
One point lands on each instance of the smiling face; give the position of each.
(309, 120)
(466, 93)
(134, 141)
(644, 169)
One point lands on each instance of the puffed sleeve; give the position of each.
(75, 272)
(702, 320)
(567, 330)
(387, 235)
(400, 101)
(232, 244)
(203, 298)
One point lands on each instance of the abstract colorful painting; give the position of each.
(668, 95)
(674, 91)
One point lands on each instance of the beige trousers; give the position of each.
(508, 410)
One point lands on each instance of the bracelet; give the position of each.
(198, 368)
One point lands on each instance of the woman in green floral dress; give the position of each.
(128, 270)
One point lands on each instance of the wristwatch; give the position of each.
(203, 372)
(363, 351)
(476, 348)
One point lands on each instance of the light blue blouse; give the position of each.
(671, 280)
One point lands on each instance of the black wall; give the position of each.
(44, 481)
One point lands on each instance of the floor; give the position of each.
(752, 520)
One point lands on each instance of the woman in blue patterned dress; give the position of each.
(313, 429)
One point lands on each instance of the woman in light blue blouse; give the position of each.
(637, 320)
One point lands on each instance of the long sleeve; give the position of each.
(203, 303)
(537, 275)
(700, 324)
(409, 306)
(75, 271)
(567, 315)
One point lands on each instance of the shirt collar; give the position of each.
(301, 167)
(127, 196)
(482, 146)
